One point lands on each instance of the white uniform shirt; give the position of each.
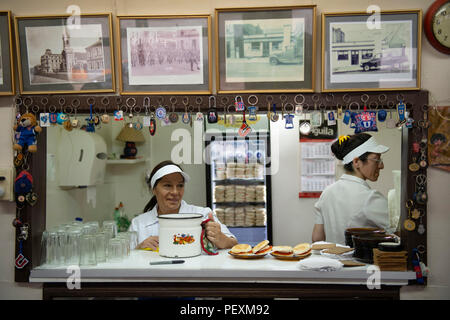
(147, 224)
(350, 203)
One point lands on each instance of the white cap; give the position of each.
(370, 145)
(164, 171)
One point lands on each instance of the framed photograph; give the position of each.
(369, 52)
(65, 54)
(265, 49)
(6, 57)
(165, 54)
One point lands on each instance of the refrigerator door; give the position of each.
(239, 184)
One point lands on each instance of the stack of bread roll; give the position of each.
(220, 213)
(240, 170)
(230, 193)
(258, 171)
(240, 193)
(221, 173)
(260, 217)
(260, 193)
(250, 194)
(219, 193)
(230, 170)
(239, 216)
(250, 216)
(229, 217)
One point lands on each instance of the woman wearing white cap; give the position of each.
(167, 184)
(350, 202)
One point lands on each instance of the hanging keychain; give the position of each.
(105, 117)
(146, 118)
(239, 104)
(245, 129)
(289, 117)
(299, 104)
(232, 119)
(252, 109)
(212, 111)
(152, 126)
(186, 117)
(173, 116)
(199, 115)
(160, 111)
(409, 224)
(274, 116)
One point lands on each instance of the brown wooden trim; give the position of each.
(225, 290)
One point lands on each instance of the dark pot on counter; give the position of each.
(359, 231)
(365, 243)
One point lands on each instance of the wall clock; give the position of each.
(437, 25)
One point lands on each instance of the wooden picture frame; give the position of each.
(265, 49)
(166, 54)
(370, 52)
(7, 85)
(75, 56)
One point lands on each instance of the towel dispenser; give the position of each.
(81, 158)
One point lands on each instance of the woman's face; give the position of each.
(370, 169)
(169, 193)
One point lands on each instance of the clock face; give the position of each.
(441, 25)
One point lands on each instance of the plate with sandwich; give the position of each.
(245, 251)
(300, 251)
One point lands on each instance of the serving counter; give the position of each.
(216, 276)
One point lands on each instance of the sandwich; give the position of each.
(262, 248)
(241, 248)
(285, 251)
(302, 249)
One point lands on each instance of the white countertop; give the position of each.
(219, 268)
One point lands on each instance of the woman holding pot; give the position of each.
(167, 181)
(350, 202)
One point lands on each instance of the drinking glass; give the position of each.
(87, 250)
(125, 238)
(44, 239)
(72, 252)
(111, 227)
(101, 239)
(52, 248)
(115, 250)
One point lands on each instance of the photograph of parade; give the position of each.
(165, 55)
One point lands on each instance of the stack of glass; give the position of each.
(85, 244)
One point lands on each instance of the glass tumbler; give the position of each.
(101, 239)
(52, 248)
(110, 225)
(115, 250)
(88, 256)
(72, 254)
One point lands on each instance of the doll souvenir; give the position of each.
(26, 132)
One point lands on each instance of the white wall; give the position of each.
(435, 78)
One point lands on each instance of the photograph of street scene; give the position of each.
(66, 55)
(165, 55)
(264, 50)
(371, 55)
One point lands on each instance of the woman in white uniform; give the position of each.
(167, 182)
(350, 202)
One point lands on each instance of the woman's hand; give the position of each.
(215, 235)
(151, 242)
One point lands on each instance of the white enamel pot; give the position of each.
(180, 235)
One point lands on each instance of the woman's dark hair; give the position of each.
(341, 149)
(149, 206)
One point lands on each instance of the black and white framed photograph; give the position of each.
(265, 49)
(165, 54)
(6, 57)
(364, 52)
(76, 55)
